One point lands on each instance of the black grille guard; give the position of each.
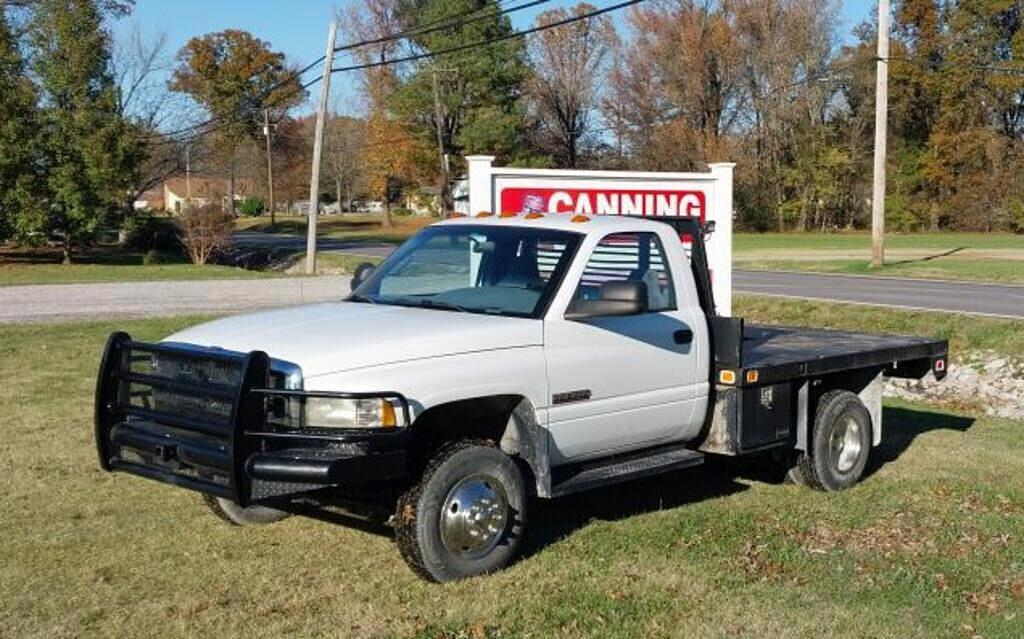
(197, 424)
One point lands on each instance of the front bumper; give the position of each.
(209, 425)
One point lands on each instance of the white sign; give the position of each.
(704, 195)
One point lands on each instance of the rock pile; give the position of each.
(988, 380)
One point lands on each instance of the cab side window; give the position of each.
(636, 257)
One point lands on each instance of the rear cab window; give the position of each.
(637, 257)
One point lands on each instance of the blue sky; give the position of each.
(299, 28)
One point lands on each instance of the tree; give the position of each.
(479, 89)
(389, 158)
(234, 76)
(344, 142)
(21, 205)
(390, 152)
(684, 79)
(90, 151)
(205, 231)
(145, 101)
(293, 155)
(568, 65)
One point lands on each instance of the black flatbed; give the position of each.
(781, 353)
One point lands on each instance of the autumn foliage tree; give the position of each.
(234, 76)
(390, 152)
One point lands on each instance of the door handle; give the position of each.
(683, 336)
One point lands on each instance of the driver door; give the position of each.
(629, 382)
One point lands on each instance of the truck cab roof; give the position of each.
(583, 224)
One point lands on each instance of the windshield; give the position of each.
(478, 269)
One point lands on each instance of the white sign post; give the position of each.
(704, 195)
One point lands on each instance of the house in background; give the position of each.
(204, 191)
(172, 194)
(150, 200)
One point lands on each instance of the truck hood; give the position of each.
(342, 336)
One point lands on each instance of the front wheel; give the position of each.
(234, 514)
(465, 517)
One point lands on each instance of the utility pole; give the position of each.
(443, 193)
(318, 143)
(881, 120)
(188, 176)
(267, 131)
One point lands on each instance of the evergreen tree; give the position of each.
(21, 204)
(479, 88)
(90, 151)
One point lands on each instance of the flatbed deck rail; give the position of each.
(773, 354)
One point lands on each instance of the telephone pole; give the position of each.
(188, 176)
(444, 191)
(318, 142)
(268, 132)
(881, 120)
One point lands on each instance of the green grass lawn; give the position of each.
(930, 544)
(107, 264)
(11, 274)
(964, 332)
(861, 240)
(331, 263)
(993, 257)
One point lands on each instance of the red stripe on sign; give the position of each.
(655, 203)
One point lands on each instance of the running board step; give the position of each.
(644, 463)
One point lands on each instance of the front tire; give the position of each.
(236, 515)
(465, 517)
(840, 444)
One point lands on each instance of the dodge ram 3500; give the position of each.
(490, 360)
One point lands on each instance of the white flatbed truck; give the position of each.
(490, 360)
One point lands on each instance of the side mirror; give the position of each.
(617, 299)
(363, 272)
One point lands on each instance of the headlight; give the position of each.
(350, 413)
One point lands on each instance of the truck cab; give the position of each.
(487, 361)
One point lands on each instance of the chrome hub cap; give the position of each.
(474, 516)
(845, 445)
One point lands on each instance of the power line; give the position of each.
(451, 21)
(448, 22)
(488, 42)
(998, 68)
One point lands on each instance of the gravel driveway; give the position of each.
(63, 302)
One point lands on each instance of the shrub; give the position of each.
(401, 211)
(1016, 214)
(205, 231)
(156, 256)
(252, 206)
(148, 232)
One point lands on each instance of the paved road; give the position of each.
(297, 243)
(964, 297)
(59, 302)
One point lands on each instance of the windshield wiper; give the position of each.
(448, 306)
(361, 298)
